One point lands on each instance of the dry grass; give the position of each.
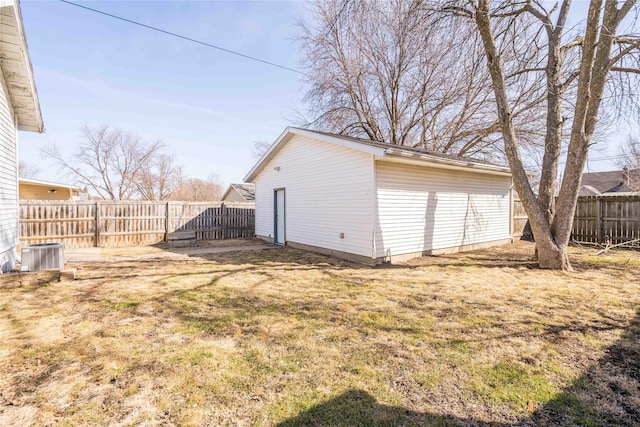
(292, 338)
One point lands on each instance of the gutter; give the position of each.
(447, 163)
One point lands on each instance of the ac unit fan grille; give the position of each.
(43, 256)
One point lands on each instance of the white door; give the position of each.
(279, 218)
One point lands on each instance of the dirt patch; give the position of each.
(162, 251)
(293, 338)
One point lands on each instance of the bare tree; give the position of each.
(109, 160)
(159, 178)
(630, 153)
(259, 148)
(26, 170)
(391, 71)
(198, 190)
(602, 48)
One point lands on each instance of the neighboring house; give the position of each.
(31, 189)
(240, 193)
(611, 182)
(373, 202)
(19, 110)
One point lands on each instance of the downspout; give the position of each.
(15, 140)
(511, 213)
(374, 208)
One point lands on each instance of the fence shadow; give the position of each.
(226, 221)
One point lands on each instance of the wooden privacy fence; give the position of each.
(519, 219)
(107, 223)
(608, 219)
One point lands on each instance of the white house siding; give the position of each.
(328, 191)
(422, 209)
(8, 182)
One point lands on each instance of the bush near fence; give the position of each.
(110, 223)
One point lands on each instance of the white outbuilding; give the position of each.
(373, 202)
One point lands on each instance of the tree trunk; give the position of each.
(552, 230)
(550, 254)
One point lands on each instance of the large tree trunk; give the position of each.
(550, 254)
(594, 69)
(555, 121)
(552, 230)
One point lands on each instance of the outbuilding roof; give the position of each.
(380, 149)
(16, 68)
(246, 191)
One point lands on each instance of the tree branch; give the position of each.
(570, 79)
(576, 42)
(526, 70)
(458, 11)
(622, 12)
(623, 53)
(626, 70)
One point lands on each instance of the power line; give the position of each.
(182, 37)
(597, 159)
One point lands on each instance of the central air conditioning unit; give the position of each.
(42, 256)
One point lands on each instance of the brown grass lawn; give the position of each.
(285, 337)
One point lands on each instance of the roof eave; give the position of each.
(291, 131)
(39, 183)
(268, 155)
(226, 193)
(22, 83)
(30, 128)
(391, 153)
(466, 165)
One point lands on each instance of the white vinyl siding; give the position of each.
(8, 182)
(328, 191)
(422, 208)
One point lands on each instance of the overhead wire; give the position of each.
(150, 27)
(232, 52)
(598, 159)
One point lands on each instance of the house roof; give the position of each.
(246, 191)
(587, 190)
(612, 181)
(15, 66)
(384, 150)
(48, 184)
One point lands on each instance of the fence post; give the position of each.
(97, 227)
(599, 220)
(225, 221)
(166, 221)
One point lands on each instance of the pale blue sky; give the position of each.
(207, 106)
